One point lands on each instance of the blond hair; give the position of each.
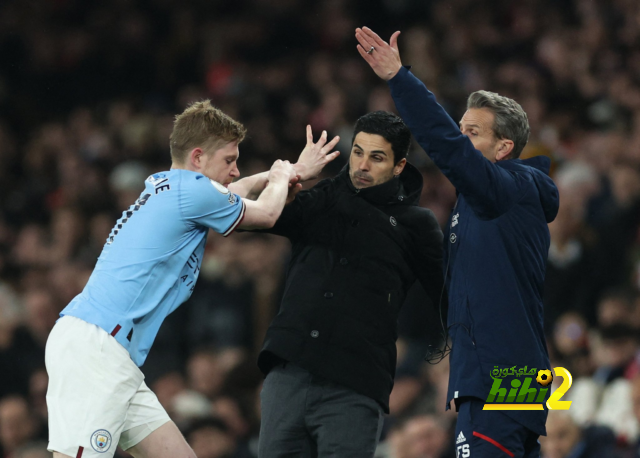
(201, 125)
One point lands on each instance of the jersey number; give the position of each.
(126, 215)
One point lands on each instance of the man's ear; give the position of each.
(399, 167)
(195, 158)
(504, 150)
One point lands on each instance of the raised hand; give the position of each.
(314, 156)
(382, 57)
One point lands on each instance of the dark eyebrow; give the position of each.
(355, 145)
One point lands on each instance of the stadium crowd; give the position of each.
(88, 91)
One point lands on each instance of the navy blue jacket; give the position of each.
(495, 250)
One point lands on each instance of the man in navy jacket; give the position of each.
(495, 248)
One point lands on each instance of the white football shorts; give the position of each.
(97, 398)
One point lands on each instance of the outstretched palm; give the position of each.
(315, 156)
(383, 57)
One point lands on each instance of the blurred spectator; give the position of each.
(207, 369)
(42, 313)
(617, 307)
(127, 182)
(11, 312)
(568, 283)
(17, 425)
(424, 436)
(565, 439)
(229, 410)
(634, 448)
(182, 404)
(38, 383)
(204, 373)
(36, 449)
(571, 344)
(210, 438)
(605, 398)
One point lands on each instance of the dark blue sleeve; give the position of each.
(490, 190)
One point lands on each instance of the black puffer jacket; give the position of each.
(355, 255)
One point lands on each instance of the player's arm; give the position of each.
(265, 211)
(250, 187)
(312, 160)
(489, 189)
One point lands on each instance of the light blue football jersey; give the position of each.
(151, 260)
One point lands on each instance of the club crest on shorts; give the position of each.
(101, 440)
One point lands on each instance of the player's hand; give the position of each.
(281, 171)
(315, 156)
(385, 57)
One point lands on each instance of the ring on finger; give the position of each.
(371, 50)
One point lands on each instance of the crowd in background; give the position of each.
(88, 91)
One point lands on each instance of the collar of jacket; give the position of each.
(542, 163)
(404, 190)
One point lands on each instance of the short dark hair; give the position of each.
(390, 127)
(510, 120)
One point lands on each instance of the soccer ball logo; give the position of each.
(544, 377)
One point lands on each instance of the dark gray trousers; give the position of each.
(307, 416)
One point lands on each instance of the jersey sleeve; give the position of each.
(208, 203)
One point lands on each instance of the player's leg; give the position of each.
(491, 434)
(344, 423)
(283, 403)
(60, 455)
(164, 442)
(91, 381)
(148, 431)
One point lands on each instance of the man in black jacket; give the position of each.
(360, 240)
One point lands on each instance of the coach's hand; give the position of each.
(315, 156)
(294, 189)
(383, 57)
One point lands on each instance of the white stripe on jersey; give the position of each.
(238, 221)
